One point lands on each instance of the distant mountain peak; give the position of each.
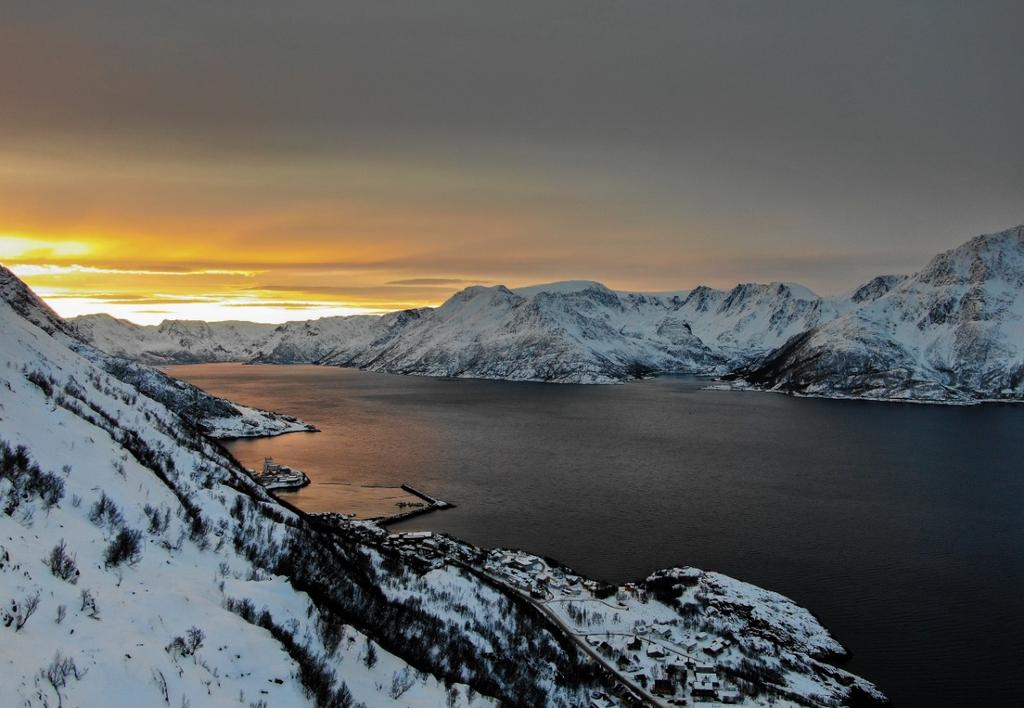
(876, 287)
(985, 257)
(952, 332)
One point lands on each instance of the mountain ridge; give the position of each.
(584, 332)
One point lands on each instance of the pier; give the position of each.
(432, 504)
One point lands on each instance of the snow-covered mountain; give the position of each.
(192, 341)
(581, 334)
(570, 332)
(952, 332)
(752, 319)
(140, 565)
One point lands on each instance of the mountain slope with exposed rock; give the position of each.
(953, 332)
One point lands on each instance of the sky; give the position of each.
(270, 161)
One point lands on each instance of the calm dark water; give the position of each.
(900, 526)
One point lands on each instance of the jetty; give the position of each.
(430, 504)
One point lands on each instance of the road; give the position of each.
(579, 639)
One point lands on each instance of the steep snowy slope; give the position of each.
(125, 539)
(952, 332)
(752, 319)
(216, 416)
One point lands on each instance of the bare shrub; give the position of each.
(57, 673)
(105, 511)
(21, 612)
(61, 564)
(187, 645)
(89, 606)
(126, 547)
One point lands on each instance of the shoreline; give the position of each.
(657, 618)
(723, 385)
(717, 383)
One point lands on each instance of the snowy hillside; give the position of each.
(139, 565)
(123, 540)
(952, 332)
(216, 416)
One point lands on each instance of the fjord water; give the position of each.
(900, 526)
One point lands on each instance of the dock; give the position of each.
(433, 504)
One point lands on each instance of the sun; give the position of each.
(17, 247)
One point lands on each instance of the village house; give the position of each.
(703, 690)
(730, 695)
(663, 687)
(717, 647)
(525, 563)
(705, 685)
(656, 652)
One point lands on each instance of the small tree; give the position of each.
(105, 510)
(401, 681)
(22, 612)
(56, 674)
(126, 547)
(187, 645)
(89, 605)
(194, 639)
(61, 564)
(370, 659)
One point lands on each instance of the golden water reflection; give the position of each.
(343, 460)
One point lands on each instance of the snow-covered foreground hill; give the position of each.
(217, 417)
(140, 565)
(949, 333)
(953, 332)
(131, 549)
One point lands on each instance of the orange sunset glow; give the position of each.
(287, 165)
